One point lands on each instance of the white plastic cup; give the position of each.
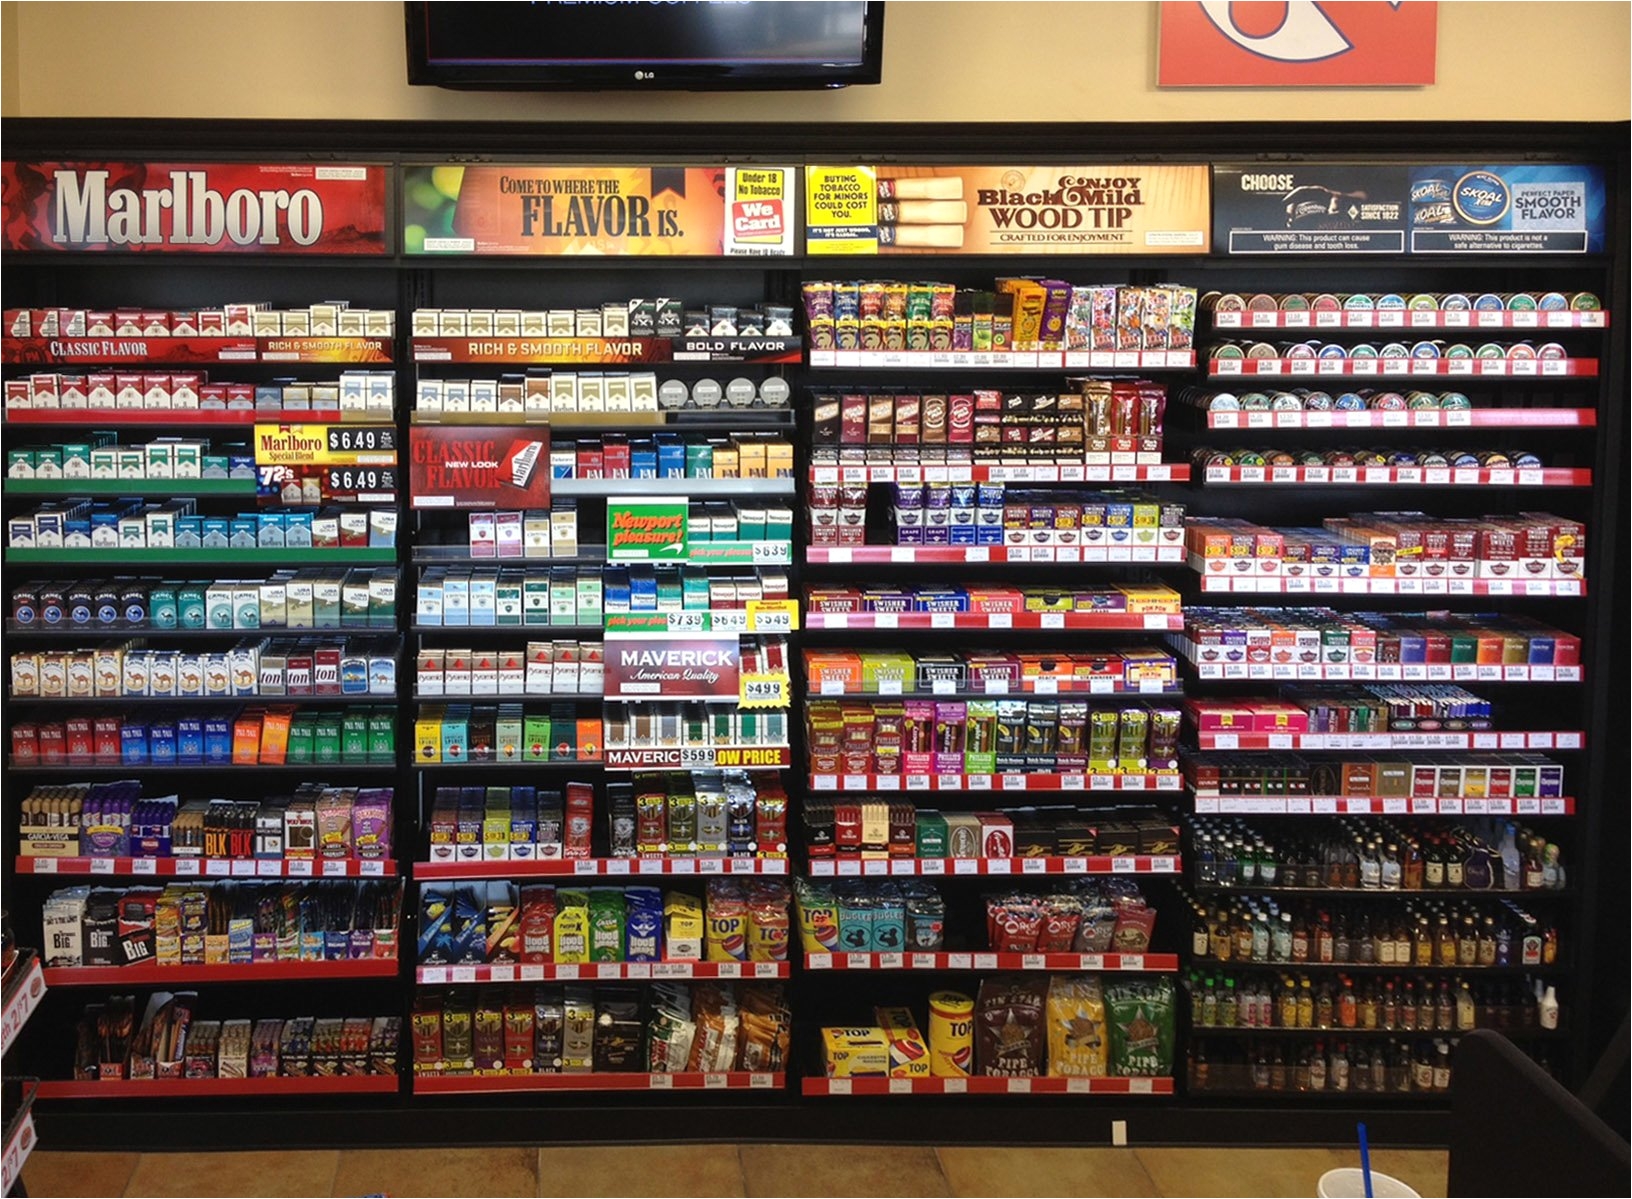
(1348, 1182)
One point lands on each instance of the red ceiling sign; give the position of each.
(1300, 43)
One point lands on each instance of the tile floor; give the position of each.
(718, 1170)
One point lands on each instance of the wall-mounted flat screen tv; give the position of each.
(683, 45)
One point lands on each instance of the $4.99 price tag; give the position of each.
(762, 691)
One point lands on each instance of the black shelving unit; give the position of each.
(1593, 964)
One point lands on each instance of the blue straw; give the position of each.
(1365, 1160)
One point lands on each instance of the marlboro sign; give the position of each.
(198, 208)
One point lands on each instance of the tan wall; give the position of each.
(1524, 60)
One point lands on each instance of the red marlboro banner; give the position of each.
(479, 466)
(640, 666)
(194, 208)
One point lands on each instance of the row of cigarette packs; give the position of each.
(563, 595)
(289, 668)
(356, 393)
(544, 392)
(617, 318)
(328, 319)
(258, 736)
(313, 597)
(134, 524)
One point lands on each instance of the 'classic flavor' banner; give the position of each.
(194, 208)
(645, 211)
(1006, 210)
(479, 466)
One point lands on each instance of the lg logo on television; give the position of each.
(1300, 43)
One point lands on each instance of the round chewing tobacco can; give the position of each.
(1423, 302)
(1585, 301)
(1351, 401)
(1491, 350)
(1526, 461)
(740, 392)
(1285, 401)
(1228, 351)
(1262, 303)
(1317, 401)
(1301, 351)
(1281, 458)
(1311, 458)
(1332, 352)
(1390, 302)
(1552, 301)
(1521, 350)
(1489, 302)
(1255, 401)
(1363, 350)
(1419, 401)
(1394, 349)
(1454, 301)
(774, 391)
(672, 394)
(1426, 349)
(1459, 351)
(1295, 303)
(1434, 458)
(1262, 349)
(1226, 302)
(1551, 351)
(1454, 400)
(1223, 402)
(706, 392)
(1359, 302)
(1325, 302)
(1521, 301)
(1388, 401)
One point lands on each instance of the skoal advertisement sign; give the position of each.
(663, 667)
(195, 208)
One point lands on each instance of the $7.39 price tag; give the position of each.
(762, 691)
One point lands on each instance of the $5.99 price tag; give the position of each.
(762, 691)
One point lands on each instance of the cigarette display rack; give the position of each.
(583, 567)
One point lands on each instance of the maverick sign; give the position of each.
(640, 666)
(199, 208)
